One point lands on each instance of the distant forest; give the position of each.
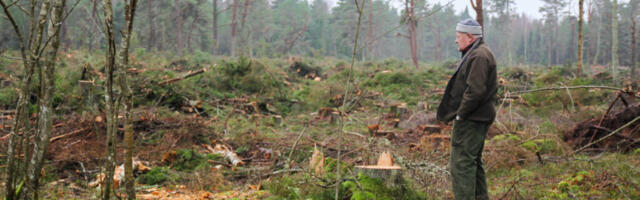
(281, 28)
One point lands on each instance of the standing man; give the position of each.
(469, 100)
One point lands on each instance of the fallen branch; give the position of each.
(609, 135)
(183, 77)
(68, 134)
(227, 153)
(572, 87)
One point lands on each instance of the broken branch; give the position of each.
(609, 135)
(572, 87)
(68, 134)
(183, 77)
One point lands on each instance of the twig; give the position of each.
(295, 144)
(609, 135)
(511, 188)
(573, 107)
(344, 100)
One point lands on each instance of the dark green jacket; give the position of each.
(471, 91)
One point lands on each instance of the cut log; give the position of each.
(385, 170)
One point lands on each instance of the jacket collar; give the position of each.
(466, 53)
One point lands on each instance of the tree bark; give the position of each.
(580, 36)
(20, 121)
(412, 23)
(215, 27)
(127, 98)
(478, 8)
(233, 28)
(634, 38)
(152, 28)
(179, 23)
(196, 16)
(111, 108)
(47, 87)
(595, 57)
(34, 62)
(614, 40)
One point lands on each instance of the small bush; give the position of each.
(373, 188)
(157, 175)
(187, 160)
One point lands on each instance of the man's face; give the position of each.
(463, 40)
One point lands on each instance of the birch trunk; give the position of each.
(127, 98)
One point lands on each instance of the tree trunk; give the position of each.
(179, 22)
(34, 59)
(370, 37)
(580, 36)
(47, 86)
(614, 40)
(555, 36)
(196, 16)
(233, 28)
(595, 57)
(20, 124)
(152, 28)
(215, 27)
(127, 98)
(111, 108)
(412, 22)
(634, 37)
(243, 40)
(478, 8)
(573, 39)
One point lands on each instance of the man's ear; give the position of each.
(470, 36)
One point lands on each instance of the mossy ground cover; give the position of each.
(260, 107)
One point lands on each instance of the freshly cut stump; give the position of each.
(389, 174)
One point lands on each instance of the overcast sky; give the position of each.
(530, 7)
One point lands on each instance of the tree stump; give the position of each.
(86, 90)
(398, 110)
(385, 170)
(423, 106)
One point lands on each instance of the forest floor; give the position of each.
(274, 115)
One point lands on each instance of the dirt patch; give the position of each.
(83, 152)
(588, 131)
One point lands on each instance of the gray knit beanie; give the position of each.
(469, 26)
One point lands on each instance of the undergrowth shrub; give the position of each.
(371, 188)
(157, 175)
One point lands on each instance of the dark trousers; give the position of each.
(467, 174)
